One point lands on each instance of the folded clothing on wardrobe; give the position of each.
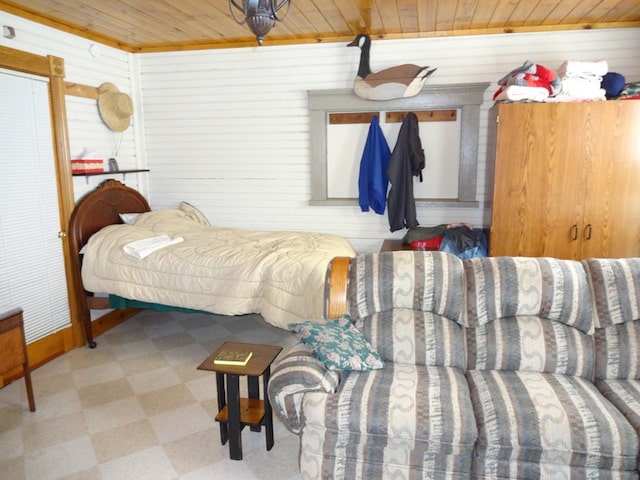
(581, 81)
(517, 93)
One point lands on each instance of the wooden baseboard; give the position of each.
(112, 319)
(52, 346)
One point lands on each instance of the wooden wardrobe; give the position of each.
(567, 180)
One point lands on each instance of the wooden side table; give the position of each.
(392, 245)
(14, 348)
(234, 413)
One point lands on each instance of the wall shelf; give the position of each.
(115, 172)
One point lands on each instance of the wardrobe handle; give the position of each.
(588, 232)
(574, 232)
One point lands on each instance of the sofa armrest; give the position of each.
(297, 373)
(335, 289)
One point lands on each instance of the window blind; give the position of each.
(32, 272)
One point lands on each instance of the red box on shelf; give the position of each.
(87, 166)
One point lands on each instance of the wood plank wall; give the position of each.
(228, 129)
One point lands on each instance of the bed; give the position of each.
(227, 271)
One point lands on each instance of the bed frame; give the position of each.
(101, 207)
(97, 209)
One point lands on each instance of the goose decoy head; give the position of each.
(361, 40)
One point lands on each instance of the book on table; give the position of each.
(231, 357)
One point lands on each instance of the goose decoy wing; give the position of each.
(395, 82)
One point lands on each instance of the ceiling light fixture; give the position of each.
(260, 15)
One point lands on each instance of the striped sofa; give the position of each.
(498, 367)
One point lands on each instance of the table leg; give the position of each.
(233, 409)
(27, 381)
(268, 415)
(222, 401)
(253, 389)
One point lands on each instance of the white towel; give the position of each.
(575, 68)
(517, 93)
(581, 89)
(142, 248)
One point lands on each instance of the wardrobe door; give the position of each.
(32, 273)
(612, 210)
(538, 197)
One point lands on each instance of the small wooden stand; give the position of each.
(392, 245)
(234, 413)
(14, 348)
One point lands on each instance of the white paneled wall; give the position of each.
(86, 129)
(228, 130)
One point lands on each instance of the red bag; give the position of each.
(427, 244)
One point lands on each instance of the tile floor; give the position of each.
(137, 408)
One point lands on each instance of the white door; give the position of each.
(32, 274)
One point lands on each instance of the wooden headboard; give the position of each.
(98, 209)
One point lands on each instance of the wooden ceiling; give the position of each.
(166, 25)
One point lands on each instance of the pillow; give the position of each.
(129, 218)
(194, 214)
(339, 344)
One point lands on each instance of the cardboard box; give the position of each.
(87, 166)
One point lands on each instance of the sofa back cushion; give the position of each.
(410, 306)
(529, 314)
(616, 299)
(416, 337)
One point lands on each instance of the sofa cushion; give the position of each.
(618, 351)
(502, 287)
(415, 337)
(625, 395)
(616, 289)
(542, 425)
(529, 314)
(404, 418)
(416, 280)
(616, 297)
(530, 343)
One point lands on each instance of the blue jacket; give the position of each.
(372, 181)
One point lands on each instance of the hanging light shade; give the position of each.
(259, 15)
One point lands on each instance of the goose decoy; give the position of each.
(394, 82)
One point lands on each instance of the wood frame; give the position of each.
(466, 97)
(336, 287)
(52, 68)
(97, 209)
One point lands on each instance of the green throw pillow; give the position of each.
(339, 344)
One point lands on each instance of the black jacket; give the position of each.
(407, 161)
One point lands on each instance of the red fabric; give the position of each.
(427, 244)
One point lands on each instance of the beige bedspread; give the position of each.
(279, 275)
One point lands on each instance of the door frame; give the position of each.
(52, 68)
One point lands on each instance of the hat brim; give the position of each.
(108, 96)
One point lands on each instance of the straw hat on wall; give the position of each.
(115, 107)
